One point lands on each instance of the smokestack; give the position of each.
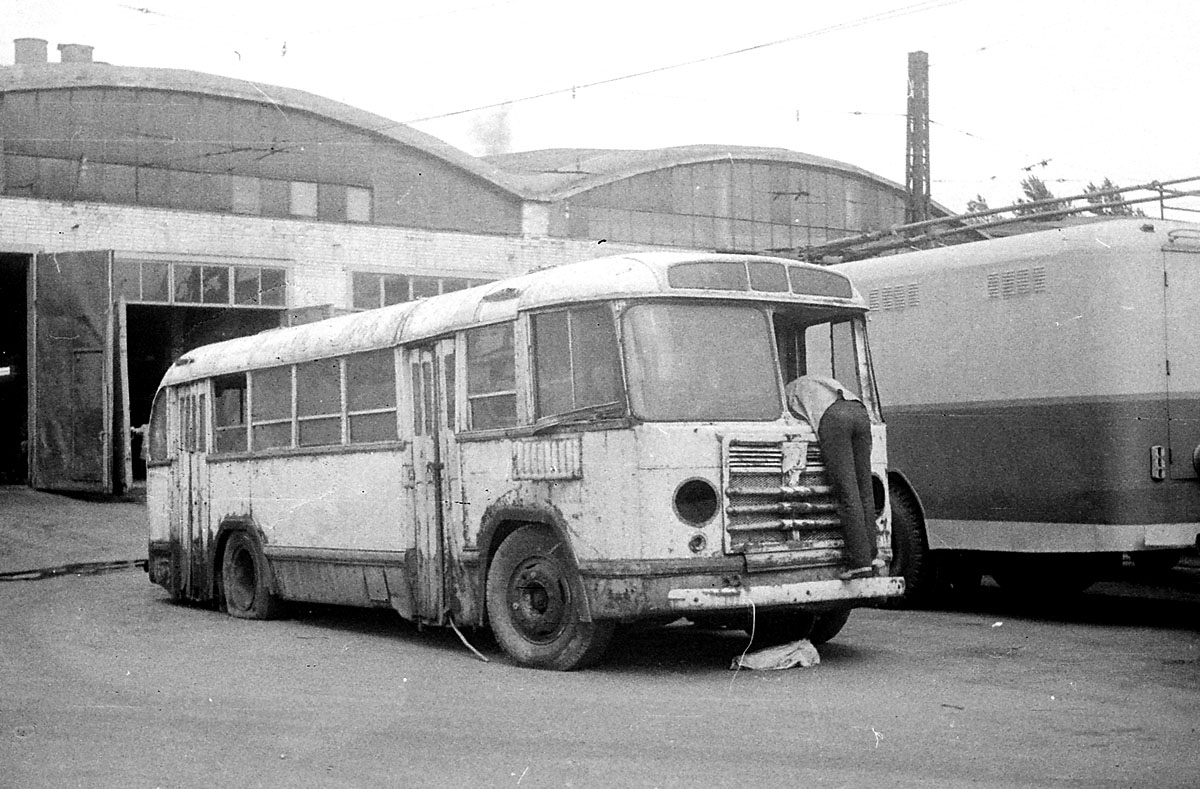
(75, 53)
(29, 51)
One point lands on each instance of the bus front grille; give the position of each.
(777, 498)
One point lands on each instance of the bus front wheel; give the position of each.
(533, 604)
(828, 625)
(244, 579)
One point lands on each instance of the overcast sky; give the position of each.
(1070, 90)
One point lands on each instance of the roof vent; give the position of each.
(29, 51)
(75, 53)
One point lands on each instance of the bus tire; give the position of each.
(772, 628)
(910, 551)
(828, 625)
(1155, 562)
(534, 600)
(245, 581)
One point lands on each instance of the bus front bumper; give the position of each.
(859, 591)
(640, 598)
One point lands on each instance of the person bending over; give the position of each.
(843, 428)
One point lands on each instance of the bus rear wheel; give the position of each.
(534, 600)
(244, 579)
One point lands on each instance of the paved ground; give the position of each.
(47, 530)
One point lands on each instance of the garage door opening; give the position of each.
(157, 335)
(14, 378)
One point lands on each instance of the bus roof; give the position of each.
(1118, 239)
(615, 277)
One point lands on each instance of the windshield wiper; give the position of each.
(586, 413)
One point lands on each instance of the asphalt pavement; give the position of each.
(50, 533)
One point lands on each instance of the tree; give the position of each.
(1107, 204)
(1035, 190)
(976, 206)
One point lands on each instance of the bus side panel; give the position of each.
(1086, 461)
(322, 516)
(1029, 388)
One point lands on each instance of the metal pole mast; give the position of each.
(917, 159)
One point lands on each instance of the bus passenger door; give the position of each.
(426, 477)
(190, 522)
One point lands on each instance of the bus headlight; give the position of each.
(696, 502)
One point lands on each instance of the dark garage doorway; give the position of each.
(157, 335)
(14, 369)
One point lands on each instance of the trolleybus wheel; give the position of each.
(828, 625)
(244, 579)
(909, 549)
(534, 601)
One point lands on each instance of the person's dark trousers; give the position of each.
(845, 435)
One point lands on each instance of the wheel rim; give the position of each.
(538, 596)
(243, 579)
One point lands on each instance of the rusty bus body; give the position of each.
(1043, 397)
(548, 455)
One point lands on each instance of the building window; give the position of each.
(157, 282)
(491, 377)
(370, 290)
(358, 204)
(303, 199)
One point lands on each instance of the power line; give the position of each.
(927, 5)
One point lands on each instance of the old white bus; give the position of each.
(549, 455)
(1042, 394)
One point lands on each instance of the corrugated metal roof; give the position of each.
(53, 76)
(556, 173)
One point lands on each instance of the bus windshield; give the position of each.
(701, 362)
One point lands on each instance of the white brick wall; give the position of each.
(318, 255)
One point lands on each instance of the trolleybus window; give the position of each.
(681, 369)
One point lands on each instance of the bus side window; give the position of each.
(371, 396)
(575, 360)
(319, 402)
(491, 377)
(271, 407)
(157, 448)
(229, 392)
(830, 351)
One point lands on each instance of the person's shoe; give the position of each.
(857, 572)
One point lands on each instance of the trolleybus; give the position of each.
(1042, 394)
(549, 456)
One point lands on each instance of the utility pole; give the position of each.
(916, 162)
